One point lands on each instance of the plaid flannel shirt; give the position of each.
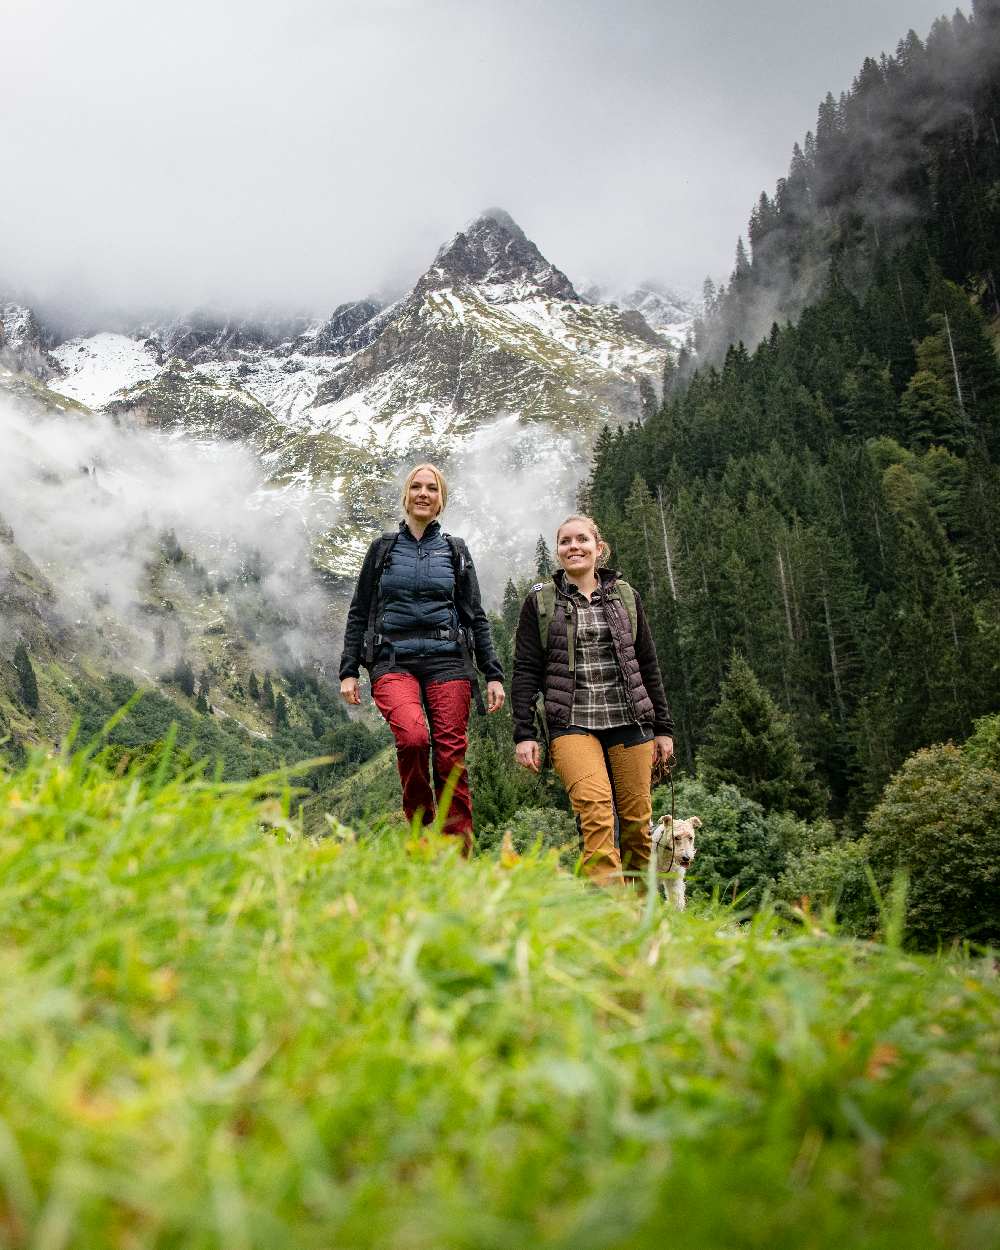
(599, 700)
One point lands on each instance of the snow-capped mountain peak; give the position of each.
(492, 336)
(493, 251)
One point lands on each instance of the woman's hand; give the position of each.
(663, 749)
(349, 691)
(494, 696)
(529, 755)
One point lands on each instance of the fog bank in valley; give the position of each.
(97, 506)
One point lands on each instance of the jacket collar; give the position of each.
(433, 529)
(606, 579)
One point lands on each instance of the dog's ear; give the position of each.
(695, 822)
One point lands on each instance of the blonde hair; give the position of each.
(603, 547)
(404, 498)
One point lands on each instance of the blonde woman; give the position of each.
(416, 622)
(583, 641)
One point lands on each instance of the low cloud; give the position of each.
(96, 505)
(511, 481)
(304, 154)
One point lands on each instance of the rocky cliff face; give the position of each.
(25, 342)
(493, 252)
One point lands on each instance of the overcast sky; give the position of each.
(307, 152)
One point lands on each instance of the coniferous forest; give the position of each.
(812, 516)
(819, 492)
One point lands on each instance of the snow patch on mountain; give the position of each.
(670, 313)
(583, 330)
(286, 385)
(96, 368)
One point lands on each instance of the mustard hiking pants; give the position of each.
(595, 795)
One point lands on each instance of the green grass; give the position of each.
(217, 1033)
(24, 386)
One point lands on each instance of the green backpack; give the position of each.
(545, 603)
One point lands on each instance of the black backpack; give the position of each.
(374, 637)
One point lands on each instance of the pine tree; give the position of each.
(929, 413)
(869, 400)
(171, 548)
(647, 398)
(496, 787)
(26, 674)
(670, 377)
(511, 609)
(642, 557)
(184, 677)
(253, 687)
(543, 558)
(267, 692)
(201, 703)
(280, 710)
(963, 356)
(742, 262)
(750, 744)
(318, 726)
(205, 683)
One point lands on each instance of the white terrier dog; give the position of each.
(673, 845)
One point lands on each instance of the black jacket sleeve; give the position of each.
(472, 614)
(529, 672)
(645, 653)
(357, 616)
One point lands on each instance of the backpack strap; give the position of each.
(545, 604)
(627, 595)
(461, 560)
(373, 637)
(459, 556)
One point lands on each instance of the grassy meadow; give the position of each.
(216, 1032)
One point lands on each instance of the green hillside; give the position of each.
(219, 1033)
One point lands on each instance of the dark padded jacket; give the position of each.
(418, 592)
(547, 670)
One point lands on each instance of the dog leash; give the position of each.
(660, 771)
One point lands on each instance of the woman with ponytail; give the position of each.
(584, 643)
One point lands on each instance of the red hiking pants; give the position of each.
(408, 707)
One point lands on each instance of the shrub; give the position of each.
(555, 828)
(983, 748)
(148, 759)
(939, 820)
(741, 850)
(833, 876)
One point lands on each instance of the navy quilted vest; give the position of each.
(418, 592)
